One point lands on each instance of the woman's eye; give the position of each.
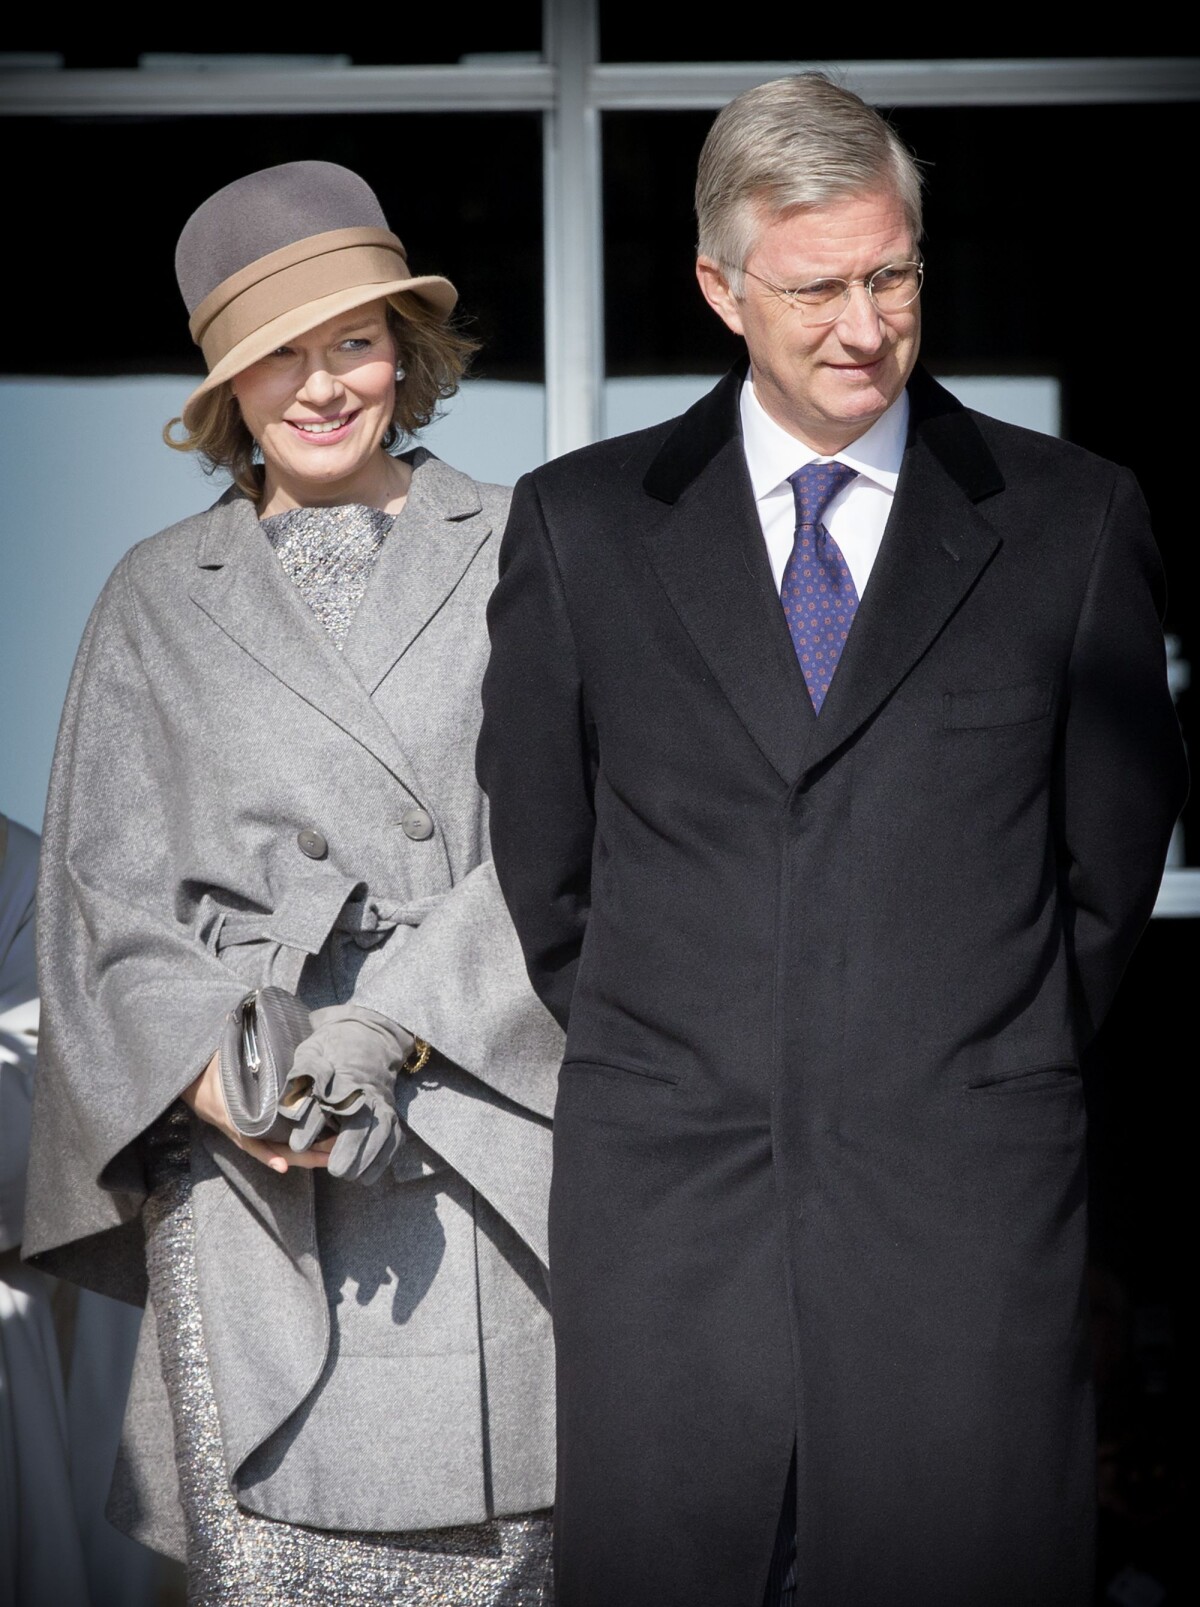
(359, 343)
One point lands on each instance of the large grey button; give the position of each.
(312, 843)
(417, 824)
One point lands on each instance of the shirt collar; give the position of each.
(772, 454)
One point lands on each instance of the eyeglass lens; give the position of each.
(890, 288)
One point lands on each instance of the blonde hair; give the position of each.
(434, 354)
(793, 142)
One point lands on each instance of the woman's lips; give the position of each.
(323, 432)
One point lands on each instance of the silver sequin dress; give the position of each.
(234, 1558)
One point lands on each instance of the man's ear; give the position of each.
(714, 287)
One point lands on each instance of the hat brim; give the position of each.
(437, 293)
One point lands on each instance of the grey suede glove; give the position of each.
(342, 1080)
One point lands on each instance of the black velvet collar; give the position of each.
(936, 417)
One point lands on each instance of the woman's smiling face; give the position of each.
(318, 408)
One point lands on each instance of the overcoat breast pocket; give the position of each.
(994, 757)
(986, 707)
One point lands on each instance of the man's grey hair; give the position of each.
(793, 142)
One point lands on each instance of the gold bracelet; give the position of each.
(422, 1051)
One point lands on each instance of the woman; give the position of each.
(264, 775)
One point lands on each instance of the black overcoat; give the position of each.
(819, 1140)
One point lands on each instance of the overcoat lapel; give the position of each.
(242, 587)
(427, 551)
(934, 549)
(709, 555)
(711, 559)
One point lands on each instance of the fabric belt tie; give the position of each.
(367, 921)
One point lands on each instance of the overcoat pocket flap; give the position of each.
(996, 705)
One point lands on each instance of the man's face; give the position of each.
(825, 384)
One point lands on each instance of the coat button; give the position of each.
(312, 843)
(417, 824)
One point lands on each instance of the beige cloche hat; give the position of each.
(277, 253)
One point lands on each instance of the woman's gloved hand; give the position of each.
(342, 1079)
(206, 1097)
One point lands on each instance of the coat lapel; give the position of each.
(427, 551)
(241, 586)
(934, 549)
(709, 555)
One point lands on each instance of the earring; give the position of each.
(399, 372)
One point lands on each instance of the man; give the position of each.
(830, 895)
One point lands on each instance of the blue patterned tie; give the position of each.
(818, 592)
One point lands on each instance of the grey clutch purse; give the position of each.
(257, 1048)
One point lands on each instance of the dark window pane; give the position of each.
(655, 319)
(635, 32)
(104, 298)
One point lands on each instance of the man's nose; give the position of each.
(859, 324)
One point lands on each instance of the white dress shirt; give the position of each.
(857, 515)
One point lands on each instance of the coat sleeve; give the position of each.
(1122, 776)
(459, 983)
(535, 758)
(485, 1101)
(132, 1002)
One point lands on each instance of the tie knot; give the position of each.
(815, 486)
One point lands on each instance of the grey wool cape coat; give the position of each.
(819, 1131)
(210, 723)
